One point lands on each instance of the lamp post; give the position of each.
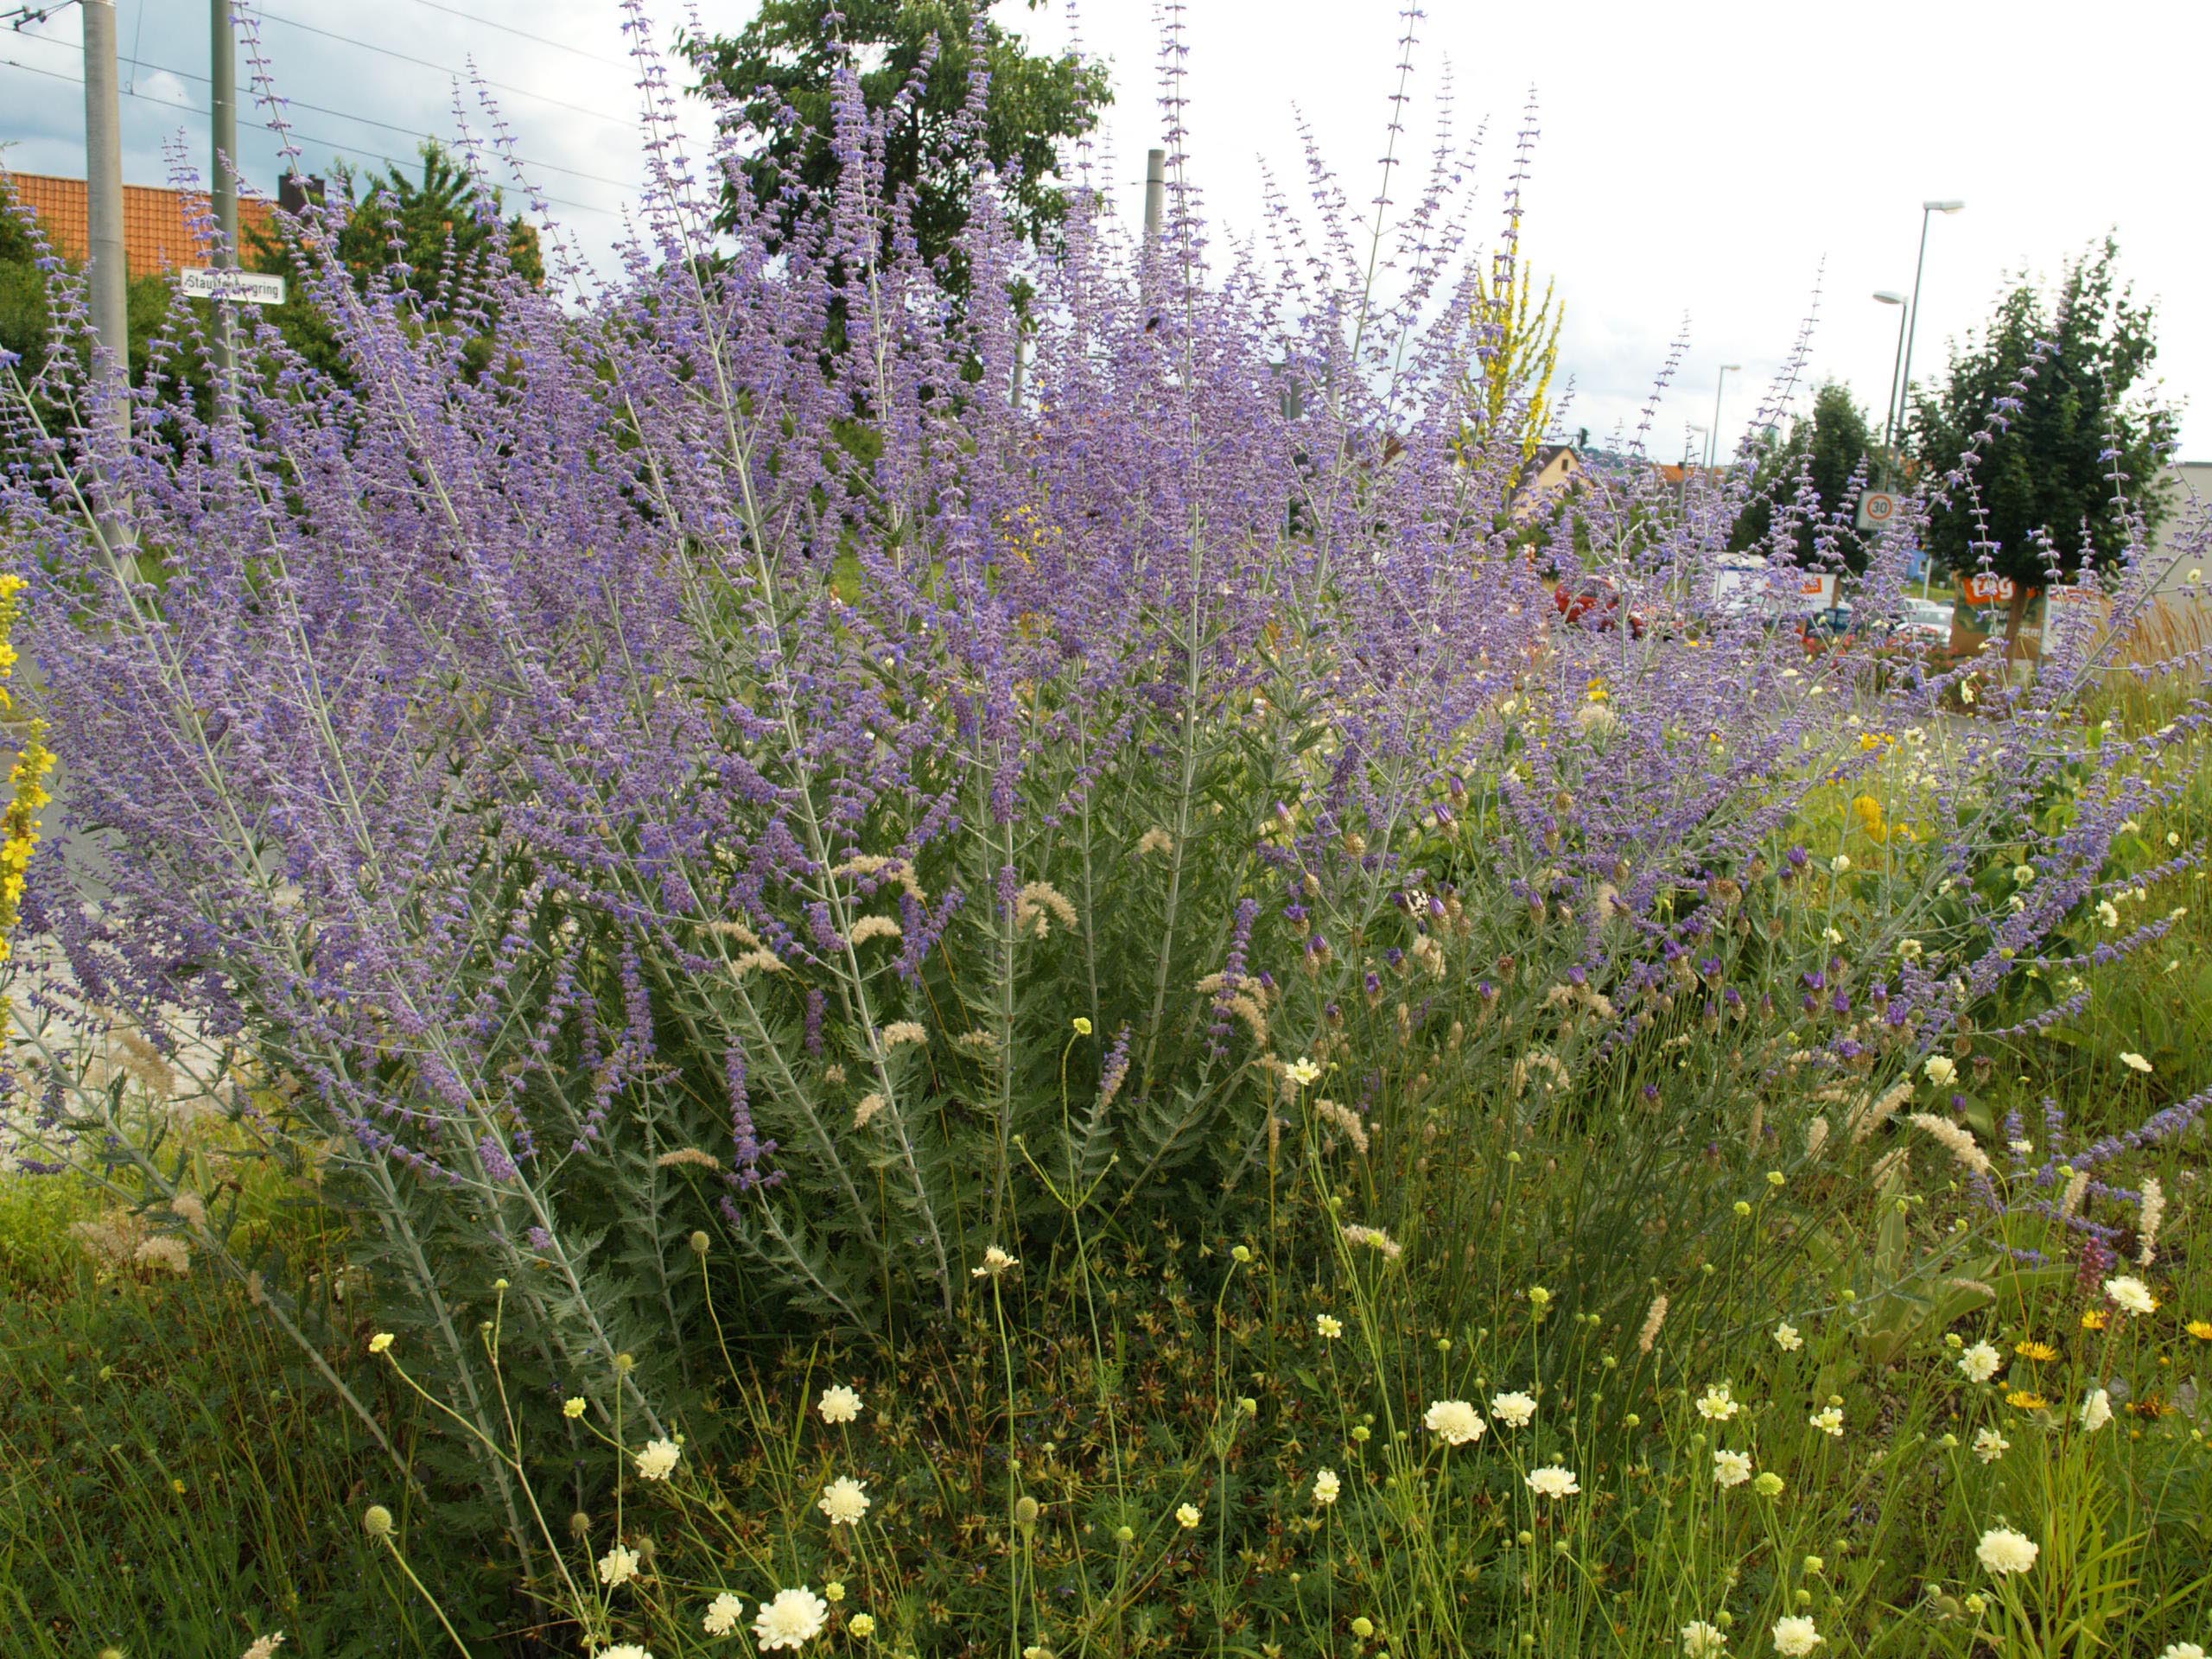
(1890, 296)
(1912, 326)
(1712, 439)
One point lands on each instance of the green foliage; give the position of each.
(1805, 481)
(435, 238)
(24, 313)
(176, 1482)
(2041, 496)
(789, 55)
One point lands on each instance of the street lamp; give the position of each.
(1890, 296)
(1912, 327)
(1682, 495)
(1712, 442)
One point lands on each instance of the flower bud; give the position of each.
(376, 1521)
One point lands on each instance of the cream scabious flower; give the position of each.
(839, 1405)
(722, 1614)
(2135, 1062)
(862, 1625)
(1514, 1410)
(1731, 1468)
(1187, 1516)
(1553, 1481)
(1302, 1072)
(657, 1461)
(794, 1618)
(1786, 1338)
(619, 1565)
(2003, 1550)
(1989, 1444)
(573, 1407)
(1329, 1325)
(1941, 1071)
(1830, 1421)
(995, 1262)
(844, 1500)
(1702, 1641)
(2131, 1294)
(2183, 1649)
(1326, 1487)
(1454, 1421)
(1794, 1637)
(1980, 1362)
(1716, 1404)
(380, 1342)
(625, 1651)
(2097, 1410)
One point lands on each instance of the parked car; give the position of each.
(1925, 622)
(1594, 602)
(1833, 629)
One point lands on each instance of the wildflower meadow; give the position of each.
(771, 953)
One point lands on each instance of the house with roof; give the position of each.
(157, 221)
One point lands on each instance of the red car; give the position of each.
(1594, 602)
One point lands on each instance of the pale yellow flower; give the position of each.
(1453, 1421)
(2135, 1062)
(2003, 1550)
(1187, 1516)
(619, 1565)
(722, 1614)
(844, 1500)
(1329, 1325)
(657, 1461)
(1980, 1362)
(2131, 1295)
(1702, 1641)
(380, 1342)
(1514, 1410)
(1795, 1637)
(1326, 1487)
(793, 1619)
(1731, 1468)
(1554, 1482)
(1716, 1404)
(839, 1405)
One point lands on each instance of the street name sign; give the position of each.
(245, 286)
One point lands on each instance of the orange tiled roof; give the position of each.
(156, 222)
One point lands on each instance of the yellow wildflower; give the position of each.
(2029, 1348)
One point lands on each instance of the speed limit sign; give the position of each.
(1877, 510)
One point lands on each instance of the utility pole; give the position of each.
(1155, 196)
(111, 317)
(223, 121)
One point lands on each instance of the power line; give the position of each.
(424, 63)
(312, 138)
(509, 28)
(20, 18)
(389, 126)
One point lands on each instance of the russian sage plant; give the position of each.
(784, 753)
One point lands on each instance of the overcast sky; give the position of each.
(1711, 162)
